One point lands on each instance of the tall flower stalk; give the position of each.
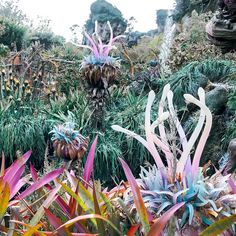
(99, 70)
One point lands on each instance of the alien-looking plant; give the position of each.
(99, 69)
(182, 180)
(68, 143)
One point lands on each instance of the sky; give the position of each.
(65, 13)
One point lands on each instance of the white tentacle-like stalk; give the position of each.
(205, 133)
(167, 151)
(186, 152)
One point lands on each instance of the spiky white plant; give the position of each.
(182, 180)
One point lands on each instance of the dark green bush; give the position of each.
(13, 33)
(47, 39)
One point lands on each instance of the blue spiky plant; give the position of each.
(68, 143)
(205, 199)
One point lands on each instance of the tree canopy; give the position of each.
(102, 11)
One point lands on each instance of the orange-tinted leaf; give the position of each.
(90, 216)
(160, 224)
(101, 227)
(133, 230)
(138, 201)
(33, 230)
(2, 165)
(4, 197)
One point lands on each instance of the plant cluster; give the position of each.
(62, 204)
(200, 74)
(181, 184)
(146, 50)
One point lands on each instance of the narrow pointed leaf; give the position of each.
(74, 195)
(40, 183)
(219, 226)
(64, 206)
(14, 181)
(49, 200)
(89, 162)
(101, 227)
(15, 188)
(78, 200)
(90, 216)
(10, 171)
(160, 224)
(2, 165)
(74, 203)
(33, 173)
(133, 230)
(138, 201)
(56, 223)
(33, 230)
(4, 197)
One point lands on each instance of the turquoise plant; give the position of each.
(68, 143)
(182, 180)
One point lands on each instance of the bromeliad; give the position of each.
(182, 180)
(68, 143)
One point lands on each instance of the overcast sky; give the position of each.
(65, 13)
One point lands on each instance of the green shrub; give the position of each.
(231, 124)
(3, 50)
(199, 74)
(47, 39)
(23, 128)
(13, 34)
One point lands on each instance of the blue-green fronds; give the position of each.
(66, 133)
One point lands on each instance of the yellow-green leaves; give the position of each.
(4, 198)
(219, 226)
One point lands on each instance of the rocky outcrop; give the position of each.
(221, 30)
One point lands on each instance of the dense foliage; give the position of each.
(13, 33)
(185, 7)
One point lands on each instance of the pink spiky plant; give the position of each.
(99, 68)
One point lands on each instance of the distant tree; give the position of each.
(102, 11)
(130, 24)
(44, 34)
(47, 39)
(161, 16)
(13, 34)
(185, 7)
(16, 29)
(10, 10)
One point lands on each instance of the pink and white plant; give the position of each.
(99, 51)
(182, 179)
